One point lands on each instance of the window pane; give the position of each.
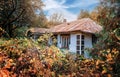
(78, 36)
(82, 37)
(82, 47)
(82, 42)
(78, 47)
(65, 41)
(78, 42)
(82, 52)
(78, 52)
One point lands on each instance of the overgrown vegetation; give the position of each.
(22, 57)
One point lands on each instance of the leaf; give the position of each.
(109, 57)
(97, 62)
(109, 75)
(1, 58)
(4, 73)
(104, 71)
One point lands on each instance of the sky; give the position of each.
(68, 8)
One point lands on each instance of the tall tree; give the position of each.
(109, 18)
(17, 13)
(109, 37)
(40, 20)
(83, 14)
(55, 19)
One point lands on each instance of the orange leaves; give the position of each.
(50, 62)
(4, 73)
(104, 71)
(109, 57)
(99, 62)
(1, 58)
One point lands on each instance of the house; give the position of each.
(35, 33)
(76, 36)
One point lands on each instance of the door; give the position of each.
(80, 44)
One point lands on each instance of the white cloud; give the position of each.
(53, 6)
(84, 3)
(58, 6)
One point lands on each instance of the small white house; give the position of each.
(76, 36)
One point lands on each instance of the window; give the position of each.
(80, 44)
(94, 39)
(65, 41)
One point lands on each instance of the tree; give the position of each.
(108, 44)
(55, 19)
(40, 20)
(17, 13)
(109, 18)
(94, 15)
(84, 14)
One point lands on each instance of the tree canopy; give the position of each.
(17, 13)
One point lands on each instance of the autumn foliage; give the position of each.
(17, 60)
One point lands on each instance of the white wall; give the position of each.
(88, 44)
(88, 40)
(58, 41)
(72, 46)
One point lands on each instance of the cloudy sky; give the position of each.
(68, 8)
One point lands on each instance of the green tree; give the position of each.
(17, 13)
(109, 18)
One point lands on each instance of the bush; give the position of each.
(25, 58)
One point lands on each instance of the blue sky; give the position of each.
(68, 8)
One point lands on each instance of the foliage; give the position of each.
(22, 57)
(40, 20)
(19, 59)
(20, 32)
(81, 67)
(44, 40)
(108, 17)
(17, 13)
(1, 31)
(55, 19)
(84, 14)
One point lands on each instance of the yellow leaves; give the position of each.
(32, 60)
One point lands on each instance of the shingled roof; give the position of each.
(84, 25)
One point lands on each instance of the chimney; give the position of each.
(65, 20)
